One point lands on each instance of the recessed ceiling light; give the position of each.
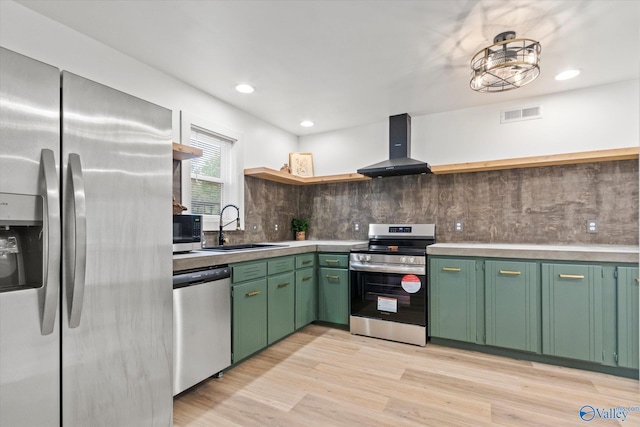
(568, 74)
(245, 88)
(306, 123)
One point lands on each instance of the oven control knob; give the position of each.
(412, 260)
(367, 258)
(403, 259)
(360, 257)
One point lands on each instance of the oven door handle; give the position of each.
(388, 268)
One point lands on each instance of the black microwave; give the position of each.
(187, 232)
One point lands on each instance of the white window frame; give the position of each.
(234, 186)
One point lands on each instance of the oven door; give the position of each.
(398, 297)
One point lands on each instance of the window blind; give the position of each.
(210, 172)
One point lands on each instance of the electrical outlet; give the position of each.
(592, 226)
(275, 228)
(458, 226)
(356, 226)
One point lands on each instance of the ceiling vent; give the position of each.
(520, 114)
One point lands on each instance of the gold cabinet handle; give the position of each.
(253, 293)
(334, 261)
(571, 276)
(282, 285)
(450, 269)
(637, 279)
(332, 277)
(304, 279)
(510, 272)
(307, 261)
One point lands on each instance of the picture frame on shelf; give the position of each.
(301, 164)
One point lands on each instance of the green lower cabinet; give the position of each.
(512, 304)
(281, 306)
(609, 316)
(452, 300)
(572, 316)
(628, 317)
(249, 318)
(333, 293)
(306, 297)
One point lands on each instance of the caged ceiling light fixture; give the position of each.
(509, 63)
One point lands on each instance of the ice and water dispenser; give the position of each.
(21, 242)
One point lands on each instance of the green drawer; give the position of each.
(248, 271)
(280, 265)
(306, 260)
(333, 260)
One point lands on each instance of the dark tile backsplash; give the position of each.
(548, 205)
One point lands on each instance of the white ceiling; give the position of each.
(347, 63)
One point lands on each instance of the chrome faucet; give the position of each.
(222, 225)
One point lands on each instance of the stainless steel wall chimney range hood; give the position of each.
(399, 162)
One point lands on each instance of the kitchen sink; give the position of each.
(245, 247)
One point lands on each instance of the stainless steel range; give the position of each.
(389, 283)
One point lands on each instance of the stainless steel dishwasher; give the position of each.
(201, 325)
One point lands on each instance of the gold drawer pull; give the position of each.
(450, 269)
(571, 276)
(637, 279)
(333, 277)
(334, 261)
(307, 261)
(512, 273)
(253, 294)
(304, 279)
(282, 285)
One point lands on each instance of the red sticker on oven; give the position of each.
(411, 283)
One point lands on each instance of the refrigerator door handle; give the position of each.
(52, 248)
(76, 281)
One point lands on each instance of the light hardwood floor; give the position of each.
(321, 376)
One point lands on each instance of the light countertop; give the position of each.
(591, 253)
(198, 259)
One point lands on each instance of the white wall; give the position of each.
(596, 118)
(582, 120)
(31, 34)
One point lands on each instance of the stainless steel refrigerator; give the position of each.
(85, 252)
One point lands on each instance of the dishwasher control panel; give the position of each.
(194, 277)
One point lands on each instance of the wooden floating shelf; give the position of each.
(490, 165)
(185, 152)
(537, 161)
(286, 178)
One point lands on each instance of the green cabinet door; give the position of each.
(609, 316)
(306, 296)
(628, 317)
(572, 311)
(512, 305)
(249, 318)
(281, 306)
(333, 295)
(452, 301)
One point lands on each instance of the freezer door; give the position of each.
(29, 242)
(117, 267)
